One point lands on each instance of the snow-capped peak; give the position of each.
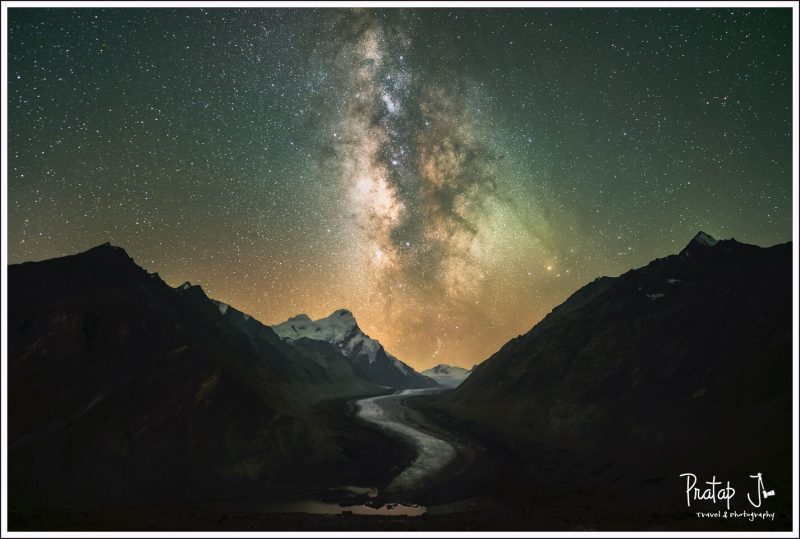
(341, 318)
(447, 375)
(699, 244)
(342, 313)
(339, 328)
(341, 331)
(185, 286)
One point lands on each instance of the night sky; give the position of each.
(450, 176)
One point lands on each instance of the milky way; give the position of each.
(419, 182)
(448, 175)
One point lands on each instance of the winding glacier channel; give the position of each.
(388, 413)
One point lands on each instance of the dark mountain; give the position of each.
(684, 365)
(340, 332)
(121, 388)
(313, 373)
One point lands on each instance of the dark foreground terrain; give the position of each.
(488, 486)
(207, 517)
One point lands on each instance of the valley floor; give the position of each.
(410, 454)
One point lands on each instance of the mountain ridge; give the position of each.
(629, 370)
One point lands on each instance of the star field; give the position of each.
(450, 176)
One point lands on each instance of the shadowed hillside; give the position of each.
(683, 365)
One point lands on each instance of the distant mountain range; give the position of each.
(447, 375)
(683, 365)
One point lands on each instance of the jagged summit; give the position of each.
(700, 242)
(103, 264)
(338, 327)
(447, 375)
(187, 285)
(106, 245)
(707, 240)
(342, 318)
(104, 248)
(339, 317)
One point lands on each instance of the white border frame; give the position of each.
(393, 4)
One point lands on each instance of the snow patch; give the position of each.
(673, 281)
(655, 296)
(400, 367)
(448, 375)
(223, 307)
